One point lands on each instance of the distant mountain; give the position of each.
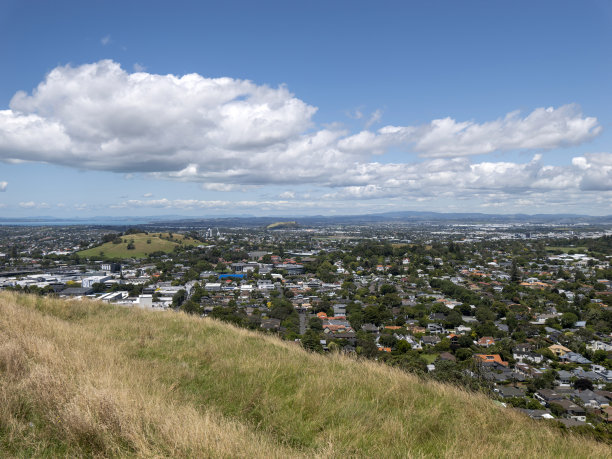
(407, 217)
(314, 220)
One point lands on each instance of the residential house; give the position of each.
(370, 328)
(435, 329)
(591, 399)
(574, 357)
(486, 341)
(564, 378)
(523, 353)
(430, 340)
(599, 346)
(572, 410)
(270, 324)
(559, 350)
(547, 396)
(510, 391)
(490, 359)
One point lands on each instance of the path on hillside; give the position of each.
(302, 322)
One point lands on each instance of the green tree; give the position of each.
(556, 409)
(568, 319)
(515, 276)
(387, 288)
(178, 298)
(600, 356)
(315, 324)
(463, 353)
(191, 307)
(311, 341)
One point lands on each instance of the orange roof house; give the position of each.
(486, 341)
(491, 358)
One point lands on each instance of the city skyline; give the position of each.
(277, 109)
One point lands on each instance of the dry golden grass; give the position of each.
(65, 391)
(87, 379)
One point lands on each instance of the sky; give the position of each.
(202, 108)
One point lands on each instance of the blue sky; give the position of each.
(292, 108)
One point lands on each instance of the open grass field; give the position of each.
(144, 244)
(429, 358)
(89, 379)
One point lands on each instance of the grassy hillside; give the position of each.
(282, 225)
(84, 378)
(144, 244)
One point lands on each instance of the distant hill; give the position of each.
(282, 225)
(407, 217)
(138, 245)
(87, 379)
(400, 217)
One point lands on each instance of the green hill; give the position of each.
(90, 379)
(138, 245)
(282, 225)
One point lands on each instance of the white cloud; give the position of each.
(596, 170)
(147, 195)
(105, 40)
(287, 195)
(458, 177)
(543, 128)
(374, 118)
(226, 133)
(97, 116)
(139, 67)
(230, 134)
(32, 205)
(219, 186)
(3, 186)
(209, 204)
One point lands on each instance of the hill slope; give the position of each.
(142, 245)
(84, 378)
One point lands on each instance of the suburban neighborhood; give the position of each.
(521, 313)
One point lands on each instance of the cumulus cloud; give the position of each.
(226, 132)
(596, 171)
(98, 116)
(459, 177)
(3, 186)
(229, 134)
(543, 128)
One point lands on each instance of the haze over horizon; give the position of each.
(273, 108)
